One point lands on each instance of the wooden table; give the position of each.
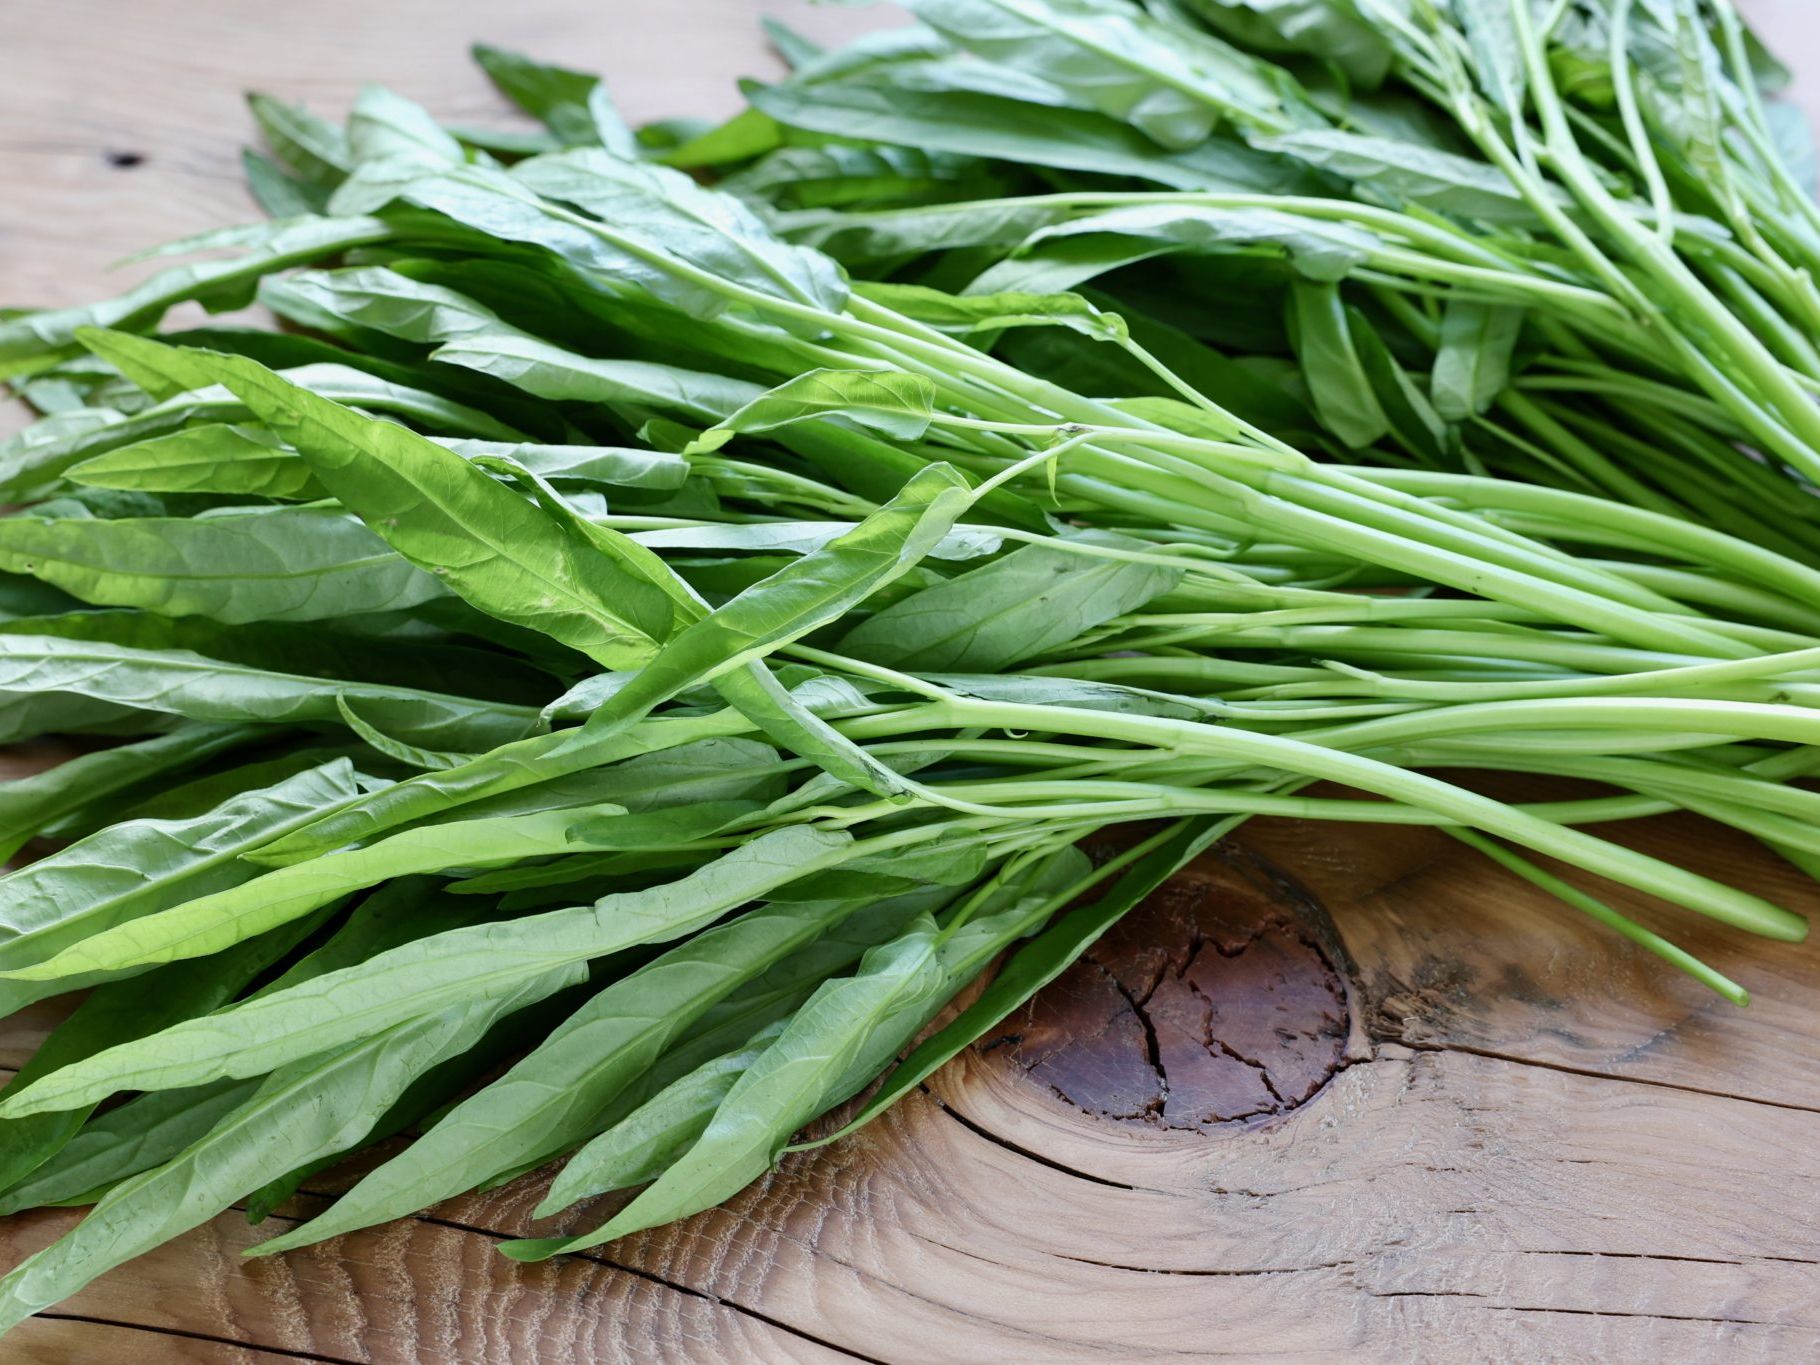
(1334, 1095)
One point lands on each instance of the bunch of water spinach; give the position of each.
(601, 681)
(1569, 243)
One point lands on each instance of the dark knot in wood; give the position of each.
(1219, 1000)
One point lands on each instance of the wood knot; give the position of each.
(1215, 1002)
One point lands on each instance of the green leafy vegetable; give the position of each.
(746, 558)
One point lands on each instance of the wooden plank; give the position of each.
(1526, 1140)
(1508, 1208)
(60, 1340)
(413, 1291)
(122, 125)
(1454, 953)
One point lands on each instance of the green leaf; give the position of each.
(1413, 420)
(710, 231)
(630, 386)
(1329, 30)
(179, 682)
(179, 378)
(384, 126)
(160, 370)
(215, 457)
(310, 147)
(222, 458)
(612, 466)
(277, 192)
(1343, 396)
(151, 1129)
(889, 403)
(144, 1132)
(803, 596)
(690, 774)
(428, 1095)
(746, 134)
(1792, 136)
(646, 1142)
(277, 245)
(377, 298)
(211, 923)
(509, 768)
(268, 564)
(868, 237)
(550, 1099)
(1472, 365)
(310, 1109)
(29, 715)
(120, 1010)
(31, 804)
(24, 597)
(411, 755)
(793, 47)
(758, 695)
(387, 650)
(800, 538)
(1173, 84)
(831, 1047)
(574, 106)
(404, 983)
(139, 867)
(31, 463)
(500, 553)
(1495, 52)
(989, 125)
(1037, 690)
(1065, 254)
(30, 460)
(1407, 173)
(832, 175)
(770, 999)
(962, 314)
(1033, 600)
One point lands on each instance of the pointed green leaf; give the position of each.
(215, 457)
(1034, 599)
(182, 683)
(212, 923)
(31, 804)
(280, 244)
(311, 1108)
(270, 564)
(501, 553)
(831, 1047)
(1344, 399)
(892, 404)
(551, 1097)
(140, 867)
(573, 106)
(1034, 966)
(405, 983)
(120, 1010)
(1473, 363)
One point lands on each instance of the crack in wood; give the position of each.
(1653, 1317)
(1240, 1272)
(289, 1353)
(980, 1130)
(1592, 1073)
(652, 1277)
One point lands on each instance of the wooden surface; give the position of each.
(1333, 1096)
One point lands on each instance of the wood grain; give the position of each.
(1337, 1095)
